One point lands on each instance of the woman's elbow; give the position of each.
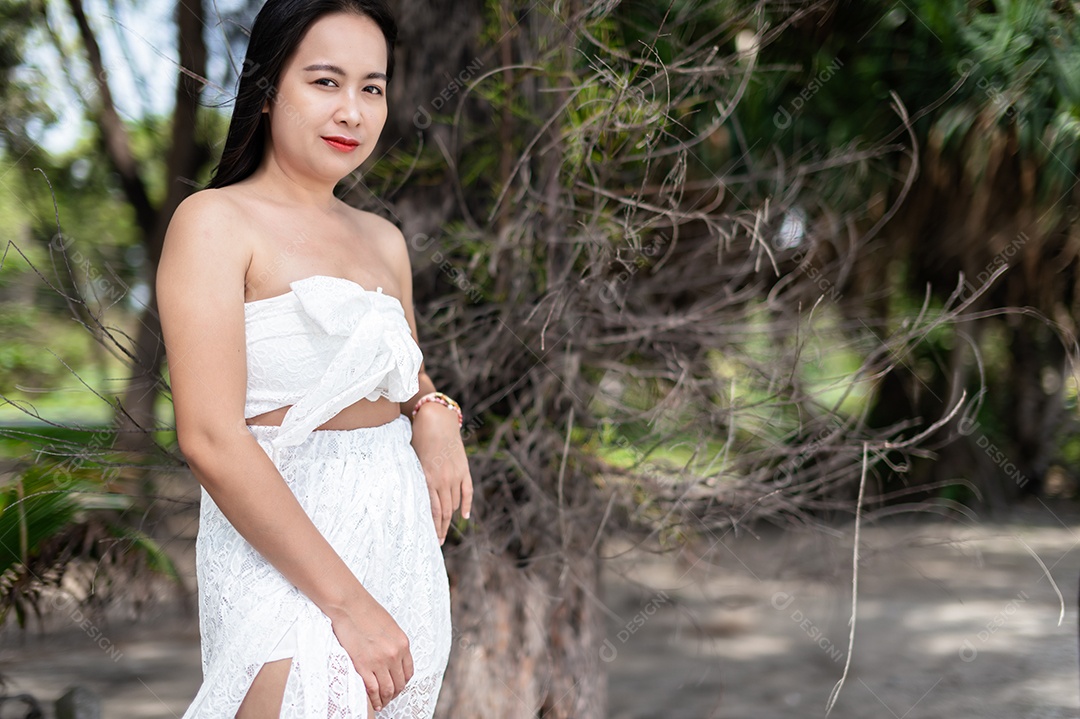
(207, 446)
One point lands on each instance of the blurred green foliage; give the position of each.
(58, 517)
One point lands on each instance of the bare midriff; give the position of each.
(362, 413)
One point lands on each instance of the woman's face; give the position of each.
(330, 103)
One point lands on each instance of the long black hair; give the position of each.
(276, 32)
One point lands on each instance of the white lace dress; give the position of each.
(321, 347)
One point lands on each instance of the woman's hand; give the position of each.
(436, 437)
(378, 647)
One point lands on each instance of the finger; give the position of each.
(447, 497)
(447, 511)
(455, 496)
(386, 688)
(408, 664)
(397, 673)
(371, 683)
(466, 497)
(436, 508)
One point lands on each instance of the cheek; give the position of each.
(377, 114)
(282, 126)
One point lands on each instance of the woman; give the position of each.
(329, 466)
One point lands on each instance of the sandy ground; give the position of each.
(954, 620)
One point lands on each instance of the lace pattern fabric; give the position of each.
(365, 490)
(322, 346)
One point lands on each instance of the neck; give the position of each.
(292, 188)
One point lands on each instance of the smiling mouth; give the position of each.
(344, 144)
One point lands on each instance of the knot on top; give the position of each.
(335, 304)
(378, 356)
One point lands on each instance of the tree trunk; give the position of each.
(528, 626)
(527, 641)
(185, 156)
(1037, 412)
(135, 418)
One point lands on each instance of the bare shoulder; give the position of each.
(204, 244)
(383, 230)
(205, 209)
(200, 299)
(386, 237)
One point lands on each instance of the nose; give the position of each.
(350, 111)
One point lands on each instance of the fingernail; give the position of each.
(466, 515)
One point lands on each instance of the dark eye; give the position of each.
(321, 80)
(376, 88)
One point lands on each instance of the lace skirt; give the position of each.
(365, 490)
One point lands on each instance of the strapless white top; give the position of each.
(322, 346)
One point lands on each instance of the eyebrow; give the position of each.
(327, 67)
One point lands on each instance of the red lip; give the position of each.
(344, 144)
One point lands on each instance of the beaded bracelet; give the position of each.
(441, 399)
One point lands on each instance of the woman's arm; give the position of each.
(436, 435)
(200, 291)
